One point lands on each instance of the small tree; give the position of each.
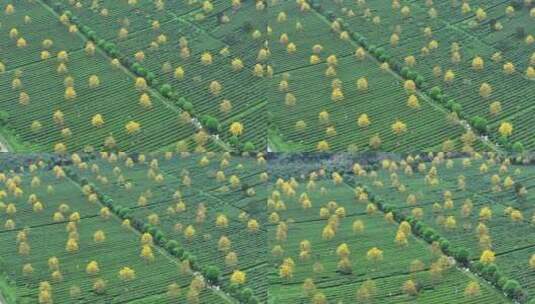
(487, 257)
(173, 290)
(505, 129)
(212, 274)
(236, 129)
(366, 291)
(146, 253)
(472, 290)
(462, 255)
(319, 298)
(410, 288)
(345, 266)
(189, 232)
(309, 288)
(512, 288)
(238, 277)
(231, 259)
(99, 286)
(480, 124)
(72, 245)
(99, 236)
(92, 268)
(127, 274)
(375, 255)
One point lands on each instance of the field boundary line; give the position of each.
(35, 62)
(282, 71)
(344, 280)
(47, 224)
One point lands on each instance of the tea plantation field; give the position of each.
(132, 76)
(401, 75)
(118, 228)
(416, 229)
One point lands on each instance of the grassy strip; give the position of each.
(276, 143)
(13, 143)
(7, 291)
